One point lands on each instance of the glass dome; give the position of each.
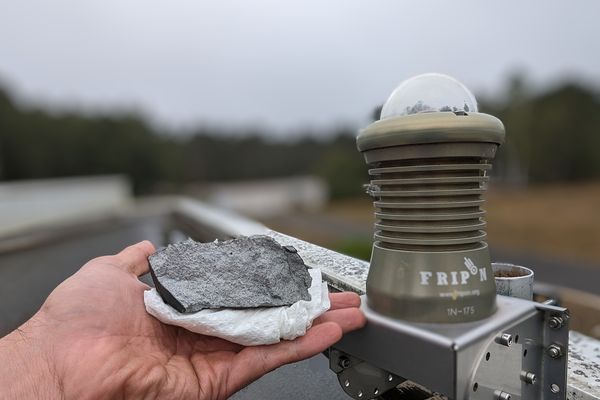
(429, 93)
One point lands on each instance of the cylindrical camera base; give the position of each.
(435, 286)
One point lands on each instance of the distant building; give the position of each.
(268, 198)
(46, 202)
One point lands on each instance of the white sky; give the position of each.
(281, 64)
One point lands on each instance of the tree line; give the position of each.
(552, 136)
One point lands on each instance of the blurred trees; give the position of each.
(37, 144)
(551, 137)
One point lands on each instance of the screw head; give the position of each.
(555, 322)
(554, 351)
(500, 395)
(344, 362)
(505, 339)
(528, 377)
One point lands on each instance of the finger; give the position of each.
(344, 300)
(134, 258)
(254, 362)
(349, 319)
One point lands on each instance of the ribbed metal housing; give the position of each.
(430, 262)
(431, 204)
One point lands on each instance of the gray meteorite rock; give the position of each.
(240, 273)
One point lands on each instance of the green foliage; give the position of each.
(343, 167)
(356, 248)
(34, 144)
(37, 144)
(551, 137)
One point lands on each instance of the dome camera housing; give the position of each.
(429, 157)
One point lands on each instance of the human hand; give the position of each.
(93, 338)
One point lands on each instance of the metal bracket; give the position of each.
(533, 366)
(361, 380)
(520, 352)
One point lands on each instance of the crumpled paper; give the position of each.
(248, 327)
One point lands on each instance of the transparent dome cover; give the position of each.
(429, 93)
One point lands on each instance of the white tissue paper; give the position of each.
(248, 327)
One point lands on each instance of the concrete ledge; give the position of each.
(584, 367)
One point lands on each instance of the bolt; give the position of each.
(344, 362)
(500, 395)
(528, 377)
(555, 322)
(554, 351)
(505, 339)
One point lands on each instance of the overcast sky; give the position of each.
(281, 64)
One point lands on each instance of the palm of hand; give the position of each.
(103, 337)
